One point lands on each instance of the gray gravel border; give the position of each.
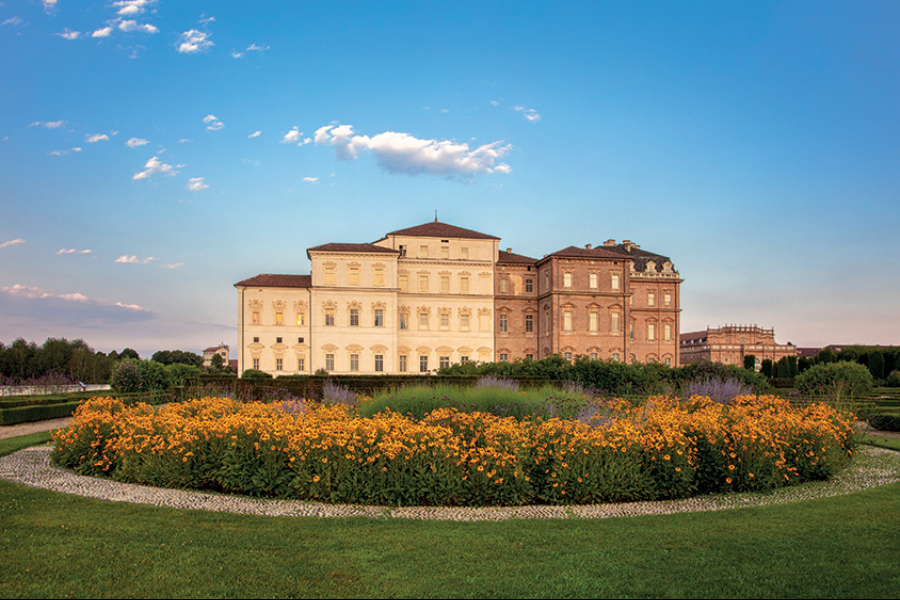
(872, 467)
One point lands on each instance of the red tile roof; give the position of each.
(278, 281)
(578, 252)
(442, 230)
(361, 248)
(509, 257)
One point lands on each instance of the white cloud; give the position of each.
(49, 124)
(195, 184)
(134, 260)
(403, 153)
(72, 251)
(193, 41)
(136, 142)
(64, 152)
(96, 137)
(102, 32)
(72, 307)
(12, 243)
(12, 21)
(25, 291)
(130, 8)
(495, 103)
(250, 48)
(212, 123)
(291, 136)
(153, 166)
(255, 134)
(131, 25)
(529, 113)
(69, 34)
(311, 179)
(49, 4)
(171, 265)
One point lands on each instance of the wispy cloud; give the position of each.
(134, 260)
(529, 113)
(403, 153)
(212, 123)
(96, 137)
(195, 184)
(171, 265)
(102, 32)
(64, 152)
(255, 134)
(194, 41)
(62, 251)
(136, 142)
(9, 243)
(311, 179)
(49, 124)
(49, 4)
(153, 166)
(70, 307)
(69, 34)
(12, 21)
(130, 8)
(250, 48)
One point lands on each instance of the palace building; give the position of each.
(729, 345)
(435, 294)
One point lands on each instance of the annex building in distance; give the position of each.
(436, 294)
(729, 345)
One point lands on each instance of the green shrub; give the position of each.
(839, 379)
(135, 375)
(255, 374)
(893, 380)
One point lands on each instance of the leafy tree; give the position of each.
(129, 353)
(876, 364)
(843, 378)
(750, 362)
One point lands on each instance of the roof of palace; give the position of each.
(347, 248)
(579, 252)
(442, 230)
(277, 281)
(509, 257)
(641, 257)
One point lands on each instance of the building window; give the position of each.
(504, 285)
(444, 361)
(594, 321)
(354, 275)
(329, 275)
(567, 356)
(354, 362)
(667, 331)
(445, 321)
(615, 281)
(651, 331)
(423, 321)
(423, 363)
(504, 323)
(593, 279)
(445, 252)
(504, 357)
(278, 340)
(256, 364)
(594, 356)
(256, 340)
(402, 363)
(378, 276)
(379, 317)
(464, 284)
(445, 284)
(567, 321)
(464, 359)
(547, 279)
(354, 317)
(329, 362)
(404, 283)
(529, 323)
(464, 253)
(464, 321)
(279, 363)
(301, 319)
(529, 286)
(631, 331)
(402, 250)
(329, 317)
(567, 280)
(279, 318)
(669, 361)
(651, 299)
(256, 317)
(379, 363)
(403, 324)
(301, 364)
(423, 283)
(529, 356)
(423, 251)
(667, 299)
(616, 356)
(614, 322)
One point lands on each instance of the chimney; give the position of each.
(609, 243)
(587, 246)
(509, 250)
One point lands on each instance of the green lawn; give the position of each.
(53, 545)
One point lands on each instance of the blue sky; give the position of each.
(153, 153)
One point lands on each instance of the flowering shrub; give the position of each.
(664, 448)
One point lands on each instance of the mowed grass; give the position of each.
(54, 545)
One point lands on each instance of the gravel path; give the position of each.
(872, 467)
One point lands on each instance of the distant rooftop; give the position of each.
(442, 230)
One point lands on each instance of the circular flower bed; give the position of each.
(664, 448)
